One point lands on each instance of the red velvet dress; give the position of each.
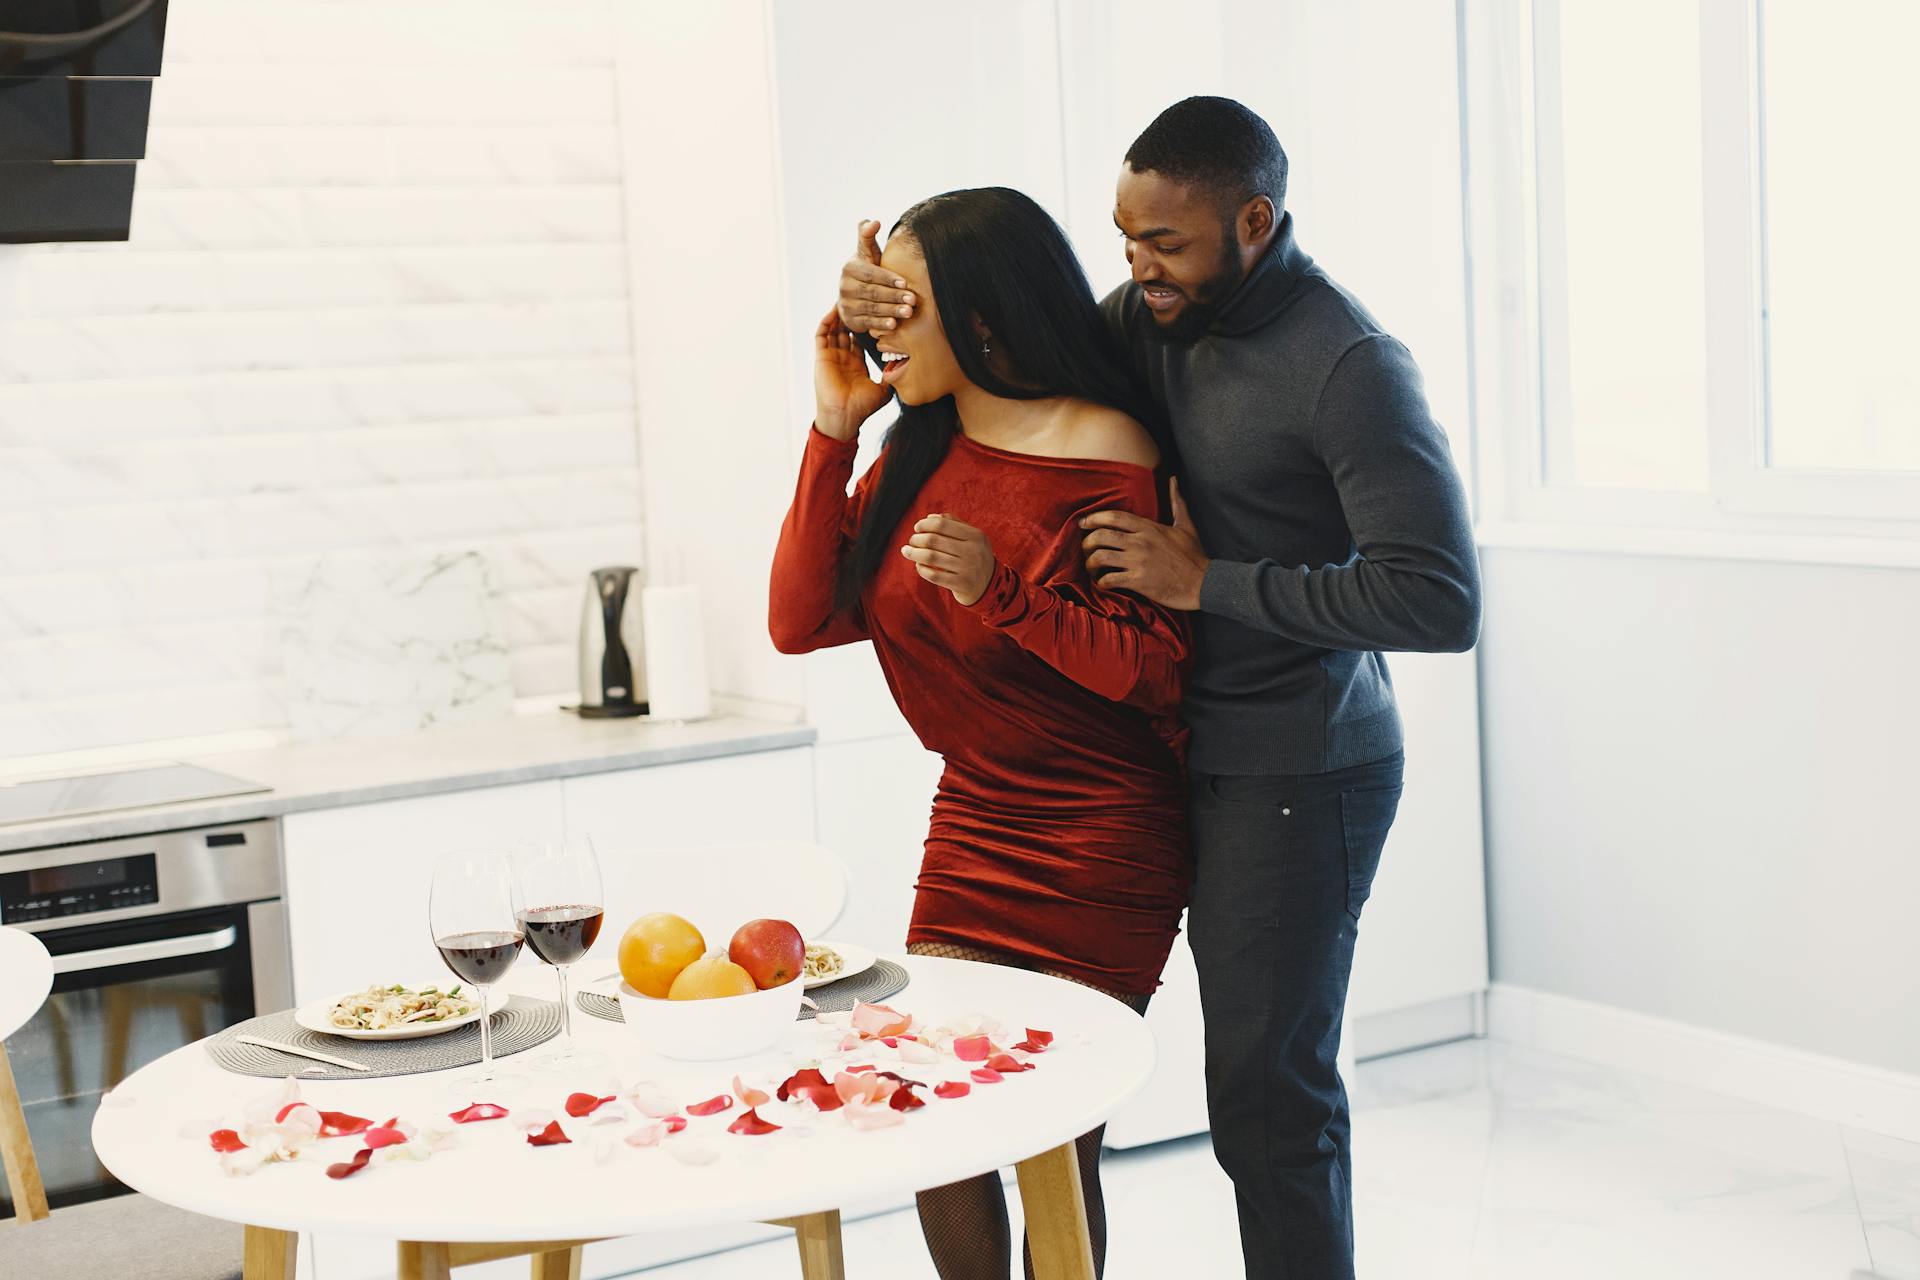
(1059, 827)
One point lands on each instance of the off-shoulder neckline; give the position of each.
(1052, 460)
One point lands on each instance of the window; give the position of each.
(1695, 269)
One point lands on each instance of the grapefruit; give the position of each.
(655, 949)
(710, 978)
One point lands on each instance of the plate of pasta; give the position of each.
(398, 1011)
(831, 961)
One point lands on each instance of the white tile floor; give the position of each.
(1483, 1160)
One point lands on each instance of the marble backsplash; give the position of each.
(391, 644)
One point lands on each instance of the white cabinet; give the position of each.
(357, 878)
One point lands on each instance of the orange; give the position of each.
(655, 948)
(710, 977)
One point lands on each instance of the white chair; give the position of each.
(110, 1239)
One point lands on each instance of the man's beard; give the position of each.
(1196, 317)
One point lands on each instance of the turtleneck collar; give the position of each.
(1269, 287)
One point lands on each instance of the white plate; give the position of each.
(314, 1017)
(857, 959)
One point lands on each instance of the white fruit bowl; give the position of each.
(707, 1030)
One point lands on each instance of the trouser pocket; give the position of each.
(1366, 815)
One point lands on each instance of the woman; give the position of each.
(1058, 839)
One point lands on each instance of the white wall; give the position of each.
(375, 297)
(1699, 782)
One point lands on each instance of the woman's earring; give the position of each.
(985, 348)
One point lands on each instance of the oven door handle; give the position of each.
(193, 944)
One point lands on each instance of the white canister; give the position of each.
(676, 654)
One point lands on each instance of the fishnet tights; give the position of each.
(965, 1223)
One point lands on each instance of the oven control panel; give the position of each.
(78, 888)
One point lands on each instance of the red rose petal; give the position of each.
(338, 1124)
(225, 1140)
(952, 1089)
(478, 1111)
(347, 1168)
(751, 1123)
(585, 1104)
(712, 1106)
(892, 1042)
(1008, 1063)
(904, 1099)
(1036, 1041)
(280, 1116)
(675, 1123)
(857, 1069)
(986, 1075)
(972, 1048)
(384, 1135)
(551, 1136)
(806, 1077)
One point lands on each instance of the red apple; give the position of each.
(771, 950)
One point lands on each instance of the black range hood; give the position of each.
(76, 86)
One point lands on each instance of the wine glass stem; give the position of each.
(486, 1040)
(566, 1013)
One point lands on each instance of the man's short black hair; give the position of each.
(1217, 145)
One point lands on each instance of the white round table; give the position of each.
(495, 1190)
(26, 975)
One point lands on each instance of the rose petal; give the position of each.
(225, 1140)
(808, 1002)
(857, 1068)
(904, 1099)
(973, 1048)
(338, 1124)
(551, 1136)
(244, 1161)
(675, 1123)
(1036, 1041)
(748, 1097)
(847, 1042)
(952, 1089)
(478, 1111)
(712, 1106)
(383, 1136)
(347, 1168)
(751, 1123)
(986, 1075)
(864, 1116)
(609, 1113)
(803, 1077)
(648, 1100)
(694, 1153)
(878, 1020)
(585, 1104)
(1008, 1063)
(647, 1135)
(914, 1052)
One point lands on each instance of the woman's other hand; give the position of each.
(953, 554)
(872, 298)
(844, 394)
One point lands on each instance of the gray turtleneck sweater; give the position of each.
(1324, 491)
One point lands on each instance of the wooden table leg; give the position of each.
(1056, 1212)
(818, 1235)
(557, 1264)
(420, 1260)
(268, 1254)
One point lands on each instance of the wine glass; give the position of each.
(561, 912)
(472, 913)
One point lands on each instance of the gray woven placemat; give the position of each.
(522, 1024)
(884, 979)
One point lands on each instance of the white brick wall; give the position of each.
(376, 297)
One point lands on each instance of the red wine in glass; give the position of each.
(561, 935)
(480, 958)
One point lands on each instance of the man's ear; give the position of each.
(1256, 222)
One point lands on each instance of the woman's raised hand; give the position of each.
(845, 395)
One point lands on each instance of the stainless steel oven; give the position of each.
(156, 941)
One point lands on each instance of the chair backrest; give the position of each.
(721, 887)
(16, 1150)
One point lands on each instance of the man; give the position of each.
(1322, 523)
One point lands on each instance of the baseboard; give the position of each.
(1773, 1075)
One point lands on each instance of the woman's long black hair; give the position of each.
(993, 253)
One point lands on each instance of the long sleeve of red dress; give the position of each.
(1058, 833)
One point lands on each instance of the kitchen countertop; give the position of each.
(350, 771)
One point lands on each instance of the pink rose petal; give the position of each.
(952, 1089)
(748, 1097)
(384, 1135)
(712, 1106)
(648, 1100)
(647, 1135)
(875, 1020)
(986, 1075)
(866, 1116)
(478, 1111)
(975, 1048)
